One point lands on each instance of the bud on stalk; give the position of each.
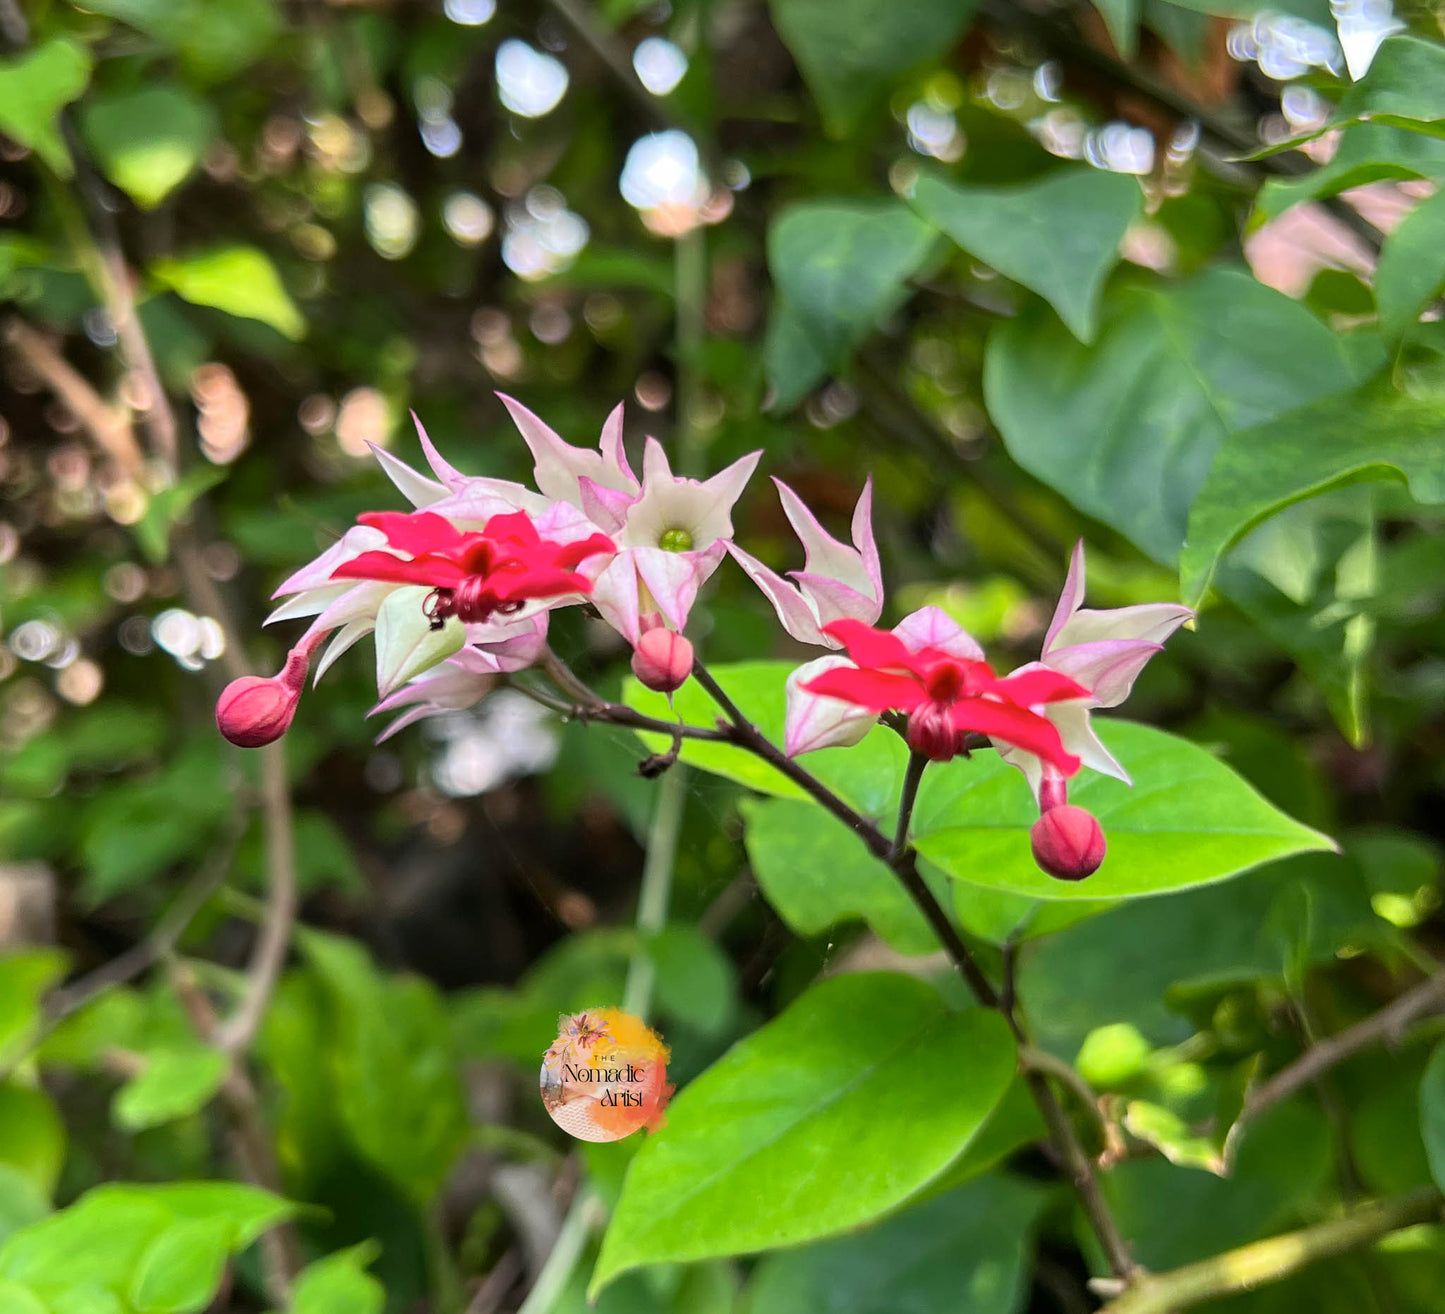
(1068, 842)
(662, 660)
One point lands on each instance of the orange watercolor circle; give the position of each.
(605, 1076)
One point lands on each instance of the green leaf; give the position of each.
(812, 1125)
(406, 643)
(181, 1270)
(32, 1136)
(1375, 432)
(1432, 1113)
(1168, 1133)
(25, 976)
(966, 1252)
(1405, 81)
(850, 51)
(1411, 271)
(239, 280)
(1188, 820)
(391, 1065)
(1368, 152)
(696, 982)
(149, 141)
(839, 269)
(15, 1299)
(868, 775)
(175, 1084)
(1059, 236)
(21, 1201)
(169, 506)
(340, 1284)
(215, 38)
(1126, 429)
(1121, 17)
(816, 874)
(34, 88)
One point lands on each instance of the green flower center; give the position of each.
(676, 540)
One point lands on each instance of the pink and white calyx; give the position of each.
(458, 594)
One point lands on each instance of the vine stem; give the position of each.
(1275, 1258)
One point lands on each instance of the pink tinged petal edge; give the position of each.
(932, 627)
(863, 539)
(824, 556)
(614, 454)
(317, 572)
(814, 721)
(1149, 622)
(673, 578)
(614, 594)
(416, 488)
(341, 641)
(834, 600)
(1070, 598)
(559, 465)
(797, 617)
(605, 507)
(1107, 669)
(449, 475)
(309, 602)
(727, 486)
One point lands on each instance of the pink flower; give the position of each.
(662, 660)
(946, 696)
(671, 537)
(1068, 843)
(837, 582)
(1102, 650)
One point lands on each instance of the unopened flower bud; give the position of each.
(1068, 842)
(256, 710)
(662, 660)
(931, 732)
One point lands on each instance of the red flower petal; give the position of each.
(875, 690)
(1033, 687)
(433, 570)
(418, 532)
(871, 648)
(1014, 725)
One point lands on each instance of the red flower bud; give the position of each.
(931, 732)
(663, 660)
(1068, 842)
(257, 710)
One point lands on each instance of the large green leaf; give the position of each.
(1188, 820)
(839, 268)
(1432, 1113)
(1411, 271)
(1126, 429)
(32, 1136)
(1405, 82)
(215, 38)
(25, 976)
(966, 1252)
(1376, 432)
(181, 1268)
(175, 1083)
(1059, 236)
(34, 88)
(239, 280)
(1368, 152)
(815, 874)
(849, 51)
(391, 1065)
(868, 775)
(822, 1120)
(149, 141)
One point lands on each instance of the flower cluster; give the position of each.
(459, 592)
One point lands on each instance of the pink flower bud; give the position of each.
(1068, 842)
(662, 660)
(257, 710)
(931, 732)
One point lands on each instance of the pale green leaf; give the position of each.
(850, 51)
(182, 1268)
(812, 1125)
(239, 280)
(1126, 429)
(32, 1136)
(340, 1284)
(149, 141)
(1059, 236)
(34, 88)
(1411, 271)
(175, 1084)
(25, 976)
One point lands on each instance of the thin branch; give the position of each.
(107, 426)
(606, 713)
(907, 797)
(1276, 1258)
(1388, 1025)
(1040, 1060)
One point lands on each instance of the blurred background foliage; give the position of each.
(1026, 265)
